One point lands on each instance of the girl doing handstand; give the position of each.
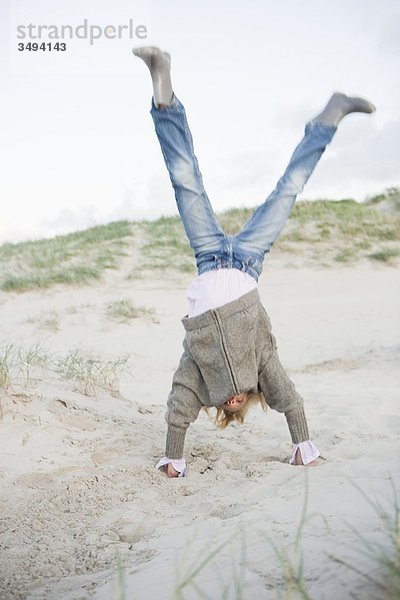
(230, 357)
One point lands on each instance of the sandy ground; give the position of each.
(84, 513)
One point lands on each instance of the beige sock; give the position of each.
(340, 105)
(159, 64)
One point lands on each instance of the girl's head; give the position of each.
(236, 407)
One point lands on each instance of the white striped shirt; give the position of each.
(216, 288)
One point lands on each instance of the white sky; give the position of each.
(77, 144)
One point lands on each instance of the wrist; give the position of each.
(179, 464)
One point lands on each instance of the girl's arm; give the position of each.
(281, 395)
(183, 408)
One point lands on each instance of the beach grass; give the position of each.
(165, 246)
(318, 233)
(384, 556)
(24, 366)
(125, 310)
(6, 366)
(289, 557)
(19, 364)
(385, 255)
(49, 320)
(90, 374)
(73, 259)
(345, 231)
(382, 577)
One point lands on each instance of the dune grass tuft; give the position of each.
(19, 365)
(385, 255)
(71, 259)
(384, 575)
(25, 366)
(125, 310)
(91, 374)
(70, 276)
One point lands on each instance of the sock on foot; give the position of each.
(341, 105)
(159, 64)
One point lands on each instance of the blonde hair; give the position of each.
(223, 417)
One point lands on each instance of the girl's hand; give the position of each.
(172, 467)
(170, 471)
(299, 461)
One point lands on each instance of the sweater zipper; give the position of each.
(217, 321)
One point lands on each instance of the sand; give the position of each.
(84, 513)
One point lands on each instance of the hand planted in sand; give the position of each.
(170, 471)
(299, 461)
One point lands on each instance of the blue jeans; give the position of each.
(212, 247)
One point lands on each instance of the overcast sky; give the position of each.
(77, 141)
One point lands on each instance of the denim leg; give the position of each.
(266, 223)
(205, 234)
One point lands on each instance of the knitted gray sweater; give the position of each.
(229, 350)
